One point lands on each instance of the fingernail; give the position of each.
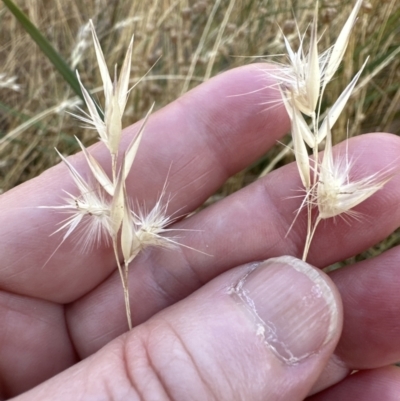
(292, 306)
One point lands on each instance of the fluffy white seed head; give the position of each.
(9, 82)
(92, 212)
(151, 225)
(308, 73)
(88, 215)
(116, 94)
(90, 209)
(337, 192)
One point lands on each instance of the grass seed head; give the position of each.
(9, 82)
(90, 209)
(300, 134)
(307, 74)
(116, 94)
(337, 193)
(91, 212)
(151, 225)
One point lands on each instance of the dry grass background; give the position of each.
(188, 41)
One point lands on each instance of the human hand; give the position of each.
(196, 336)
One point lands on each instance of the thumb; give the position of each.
(258, 332)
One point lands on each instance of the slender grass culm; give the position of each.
(102, 209)
(329, 188)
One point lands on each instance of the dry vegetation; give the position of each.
(187, 42)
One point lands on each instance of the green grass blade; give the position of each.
(54, 57)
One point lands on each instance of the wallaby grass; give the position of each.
(186, 42)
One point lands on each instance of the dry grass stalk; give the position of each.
(102, 206)
(328, 184)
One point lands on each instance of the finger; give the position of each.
(370, 385)
(202, 138)
(249, 225)
(371, 333)
(259, 332)
(34, 343)
(371, 329)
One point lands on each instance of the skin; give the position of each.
(57, 312)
